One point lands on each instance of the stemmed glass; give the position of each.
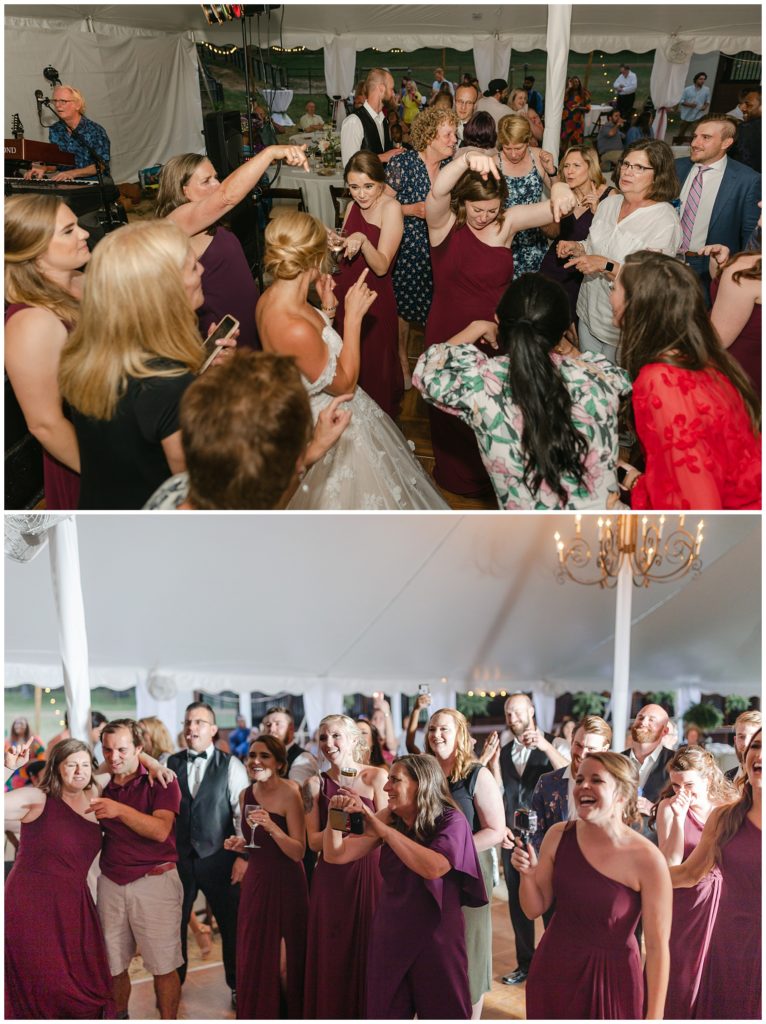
(335, 244)
(250, 810)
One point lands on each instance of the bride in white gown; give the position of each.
(371, 466)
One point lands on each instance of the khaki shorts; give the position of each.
(145, 914)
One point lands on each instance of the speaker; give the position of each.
(223, 141)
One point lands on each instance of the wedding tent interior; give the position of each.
(137, 64)
(328, 606)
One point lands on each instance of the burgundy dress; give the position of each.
(470, 278)
(746, 348)
(55, 959)
(343, 901)
(61, 484)
(730, 987)
(694, 914)
(589, 948)
(273, 906)
(417, 961)
(228, 287)
(380, 372)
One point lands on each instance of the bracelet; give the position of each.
(331, 310)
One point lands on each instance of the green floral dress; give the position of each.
(467, 383)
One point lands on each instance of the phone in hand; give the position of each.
(424, 690)
(228, 325)
(345, 821)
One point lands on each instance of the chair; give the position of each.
(337, 194)
(290, 195)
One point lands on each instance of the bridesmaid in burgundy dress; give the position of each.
(373, 230)
(604, 876)
(471, 235)
(44, 251)
(736, 314)
(697, 787)
(273, 904)
(730, 987)
(416, 962)
(336, 952)
(55, 959)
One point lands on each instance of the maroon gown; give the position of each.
(228, 287)
(417, 961)
(343, 901)
(746, 348)
(694, 914)
(588, 964)
(470, 278)
(380, 372)
(55, 959)
(730, 987)
(61, 485)
(273, 906)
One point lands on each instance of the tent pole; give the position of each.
(588, 69)
(622, 628)
(38, 709)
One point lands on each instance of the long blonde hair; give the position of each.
(160, 740)
(134, 311)
(464, 755)
(30, 223)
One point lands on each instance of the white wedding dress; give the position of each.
(371, 467)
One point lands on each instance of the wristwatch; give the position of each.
(609, 267)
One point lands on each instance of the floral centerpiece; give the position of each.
(329, 148)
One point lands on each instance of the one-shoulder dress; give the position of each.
(228, 287)
(588, 964)
(341, 907)
(55, 958)
(371, 467)
(694, 915)
(273, 906)
(380, 372)
(730, 986)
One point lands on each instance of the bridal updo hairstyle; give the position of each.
(295, 243)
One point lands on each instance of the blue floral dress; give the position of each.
(528, 247)
(413, 281)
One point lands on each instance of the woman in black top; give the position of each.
(132, 355)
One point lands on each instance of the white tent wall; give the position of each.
(142, 88)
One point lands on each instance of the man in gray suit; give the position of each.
(719, 196)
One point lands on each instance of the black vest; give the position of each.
(205, 820)
(518, 789)
(371, 140)
(293, 753)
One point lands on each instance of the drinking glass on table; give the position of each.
(250, 811)
(336, 242)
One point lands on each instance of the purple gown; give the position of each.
(730, 987)
(587, 965)
(341, 907)
(228, 287)
(417, 960)
(694, 914)
(273, 906)
(380, 372)
(55, 958)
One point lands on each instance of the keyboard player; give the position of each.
(70, 106)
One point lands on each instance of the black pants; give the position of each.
(625, 106)
(212, 875)
(523, 928)
(701, 267)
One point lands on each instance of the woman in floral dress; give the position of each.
(544, 414)
(527, 174)
(576, 104)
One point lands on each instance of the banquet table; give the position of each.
(315, 188)
(593, 114)
(306, 138)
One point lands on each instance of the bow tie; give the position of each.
(193, 757)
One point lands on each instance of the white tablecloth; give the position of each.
(593, 114)
(315, 188)
(307, 137)
(279, 100)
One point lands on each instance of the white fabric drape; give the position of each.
(545, 710)
(142, 90)
(559, 28)
(492, 57)
(686, 696)
(73, 638)
(340, 65)
(668, 80)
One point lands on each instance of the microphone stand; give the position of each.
(109, 223)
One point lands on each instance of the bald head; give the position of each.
(519, 713)
(650, 725)
(379, 87)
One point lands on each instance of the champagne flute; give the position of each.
(250, 810)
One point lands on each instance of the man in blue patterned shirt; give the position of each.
(70, 106)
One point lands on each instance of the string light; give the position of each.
(289, 49)
(394, 49)
(221, 51)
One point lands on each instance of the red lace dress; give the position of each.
(701, 452)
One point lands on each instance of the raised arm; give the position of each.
(422, 701)
(199, 215)
(537, 215)
(339, 850)
(671, 815)
(157, 825)
(701, 860)
(439, 216)
(536, 889)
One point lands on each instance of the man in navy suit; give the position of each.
(724, 201)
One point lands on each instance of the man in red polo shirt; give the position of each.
(139, 891)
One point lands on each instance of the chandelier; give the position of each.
(655, 551)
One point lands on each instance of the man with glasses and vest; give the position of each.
(367, 128)
(211, 782)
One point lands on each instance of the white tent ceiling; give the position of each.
(353, 601)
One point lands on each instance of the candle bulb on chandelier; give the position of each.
(578, 524)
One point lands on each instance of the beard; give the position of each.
(643, 734)
(519, 730)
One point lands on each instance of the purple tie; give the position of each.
(690, 209)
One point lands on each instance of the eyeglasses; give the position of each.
(61, 103)
(640, 168)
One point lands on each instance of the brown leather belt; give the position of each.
(161, 869)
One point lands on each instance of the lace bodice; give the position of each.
(315, 389)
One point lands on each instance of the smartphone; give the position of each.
(343, 821)
(225, 329)
(424, 690)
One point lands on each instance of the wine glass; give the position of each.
(335, 244)
(250, 810)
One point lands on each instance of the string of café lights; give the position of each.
(226, 51)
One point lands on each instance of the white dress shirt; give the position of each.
(711, 182)
(303, 767)
(520, 756)
(628, 82)
(494, 107)
(352, 132)
(646, 767)
(571, 809)
(238, 780)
